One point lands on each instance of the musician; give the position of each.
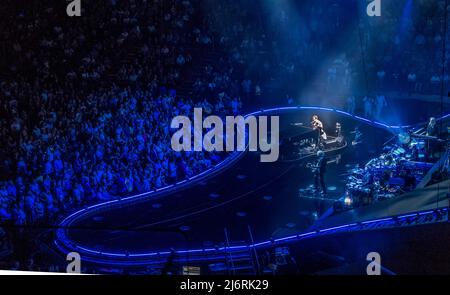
(338, 129)
(318, 125)
(320, 170)
(432, 129)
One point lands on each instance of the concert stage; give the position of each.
(244, 203)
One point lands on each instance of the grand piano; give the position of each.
(299, 142)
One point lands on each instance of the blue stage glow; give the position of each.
(63, 243)
(92, 161)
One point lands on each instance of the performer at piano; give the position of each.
(318, 125)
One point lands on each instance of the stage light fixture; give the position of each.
(348, 201)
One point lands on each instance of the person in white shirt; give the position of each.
(318, 125)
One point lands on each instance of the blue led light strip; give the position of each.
(292, 238)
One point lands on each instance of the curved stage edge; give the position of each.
(159, 258)
(65, 244)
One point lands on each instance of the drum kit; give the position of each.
(356, 186)
(367, 185)
(388, 175)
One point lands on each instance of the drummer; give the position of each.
(387, 174)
